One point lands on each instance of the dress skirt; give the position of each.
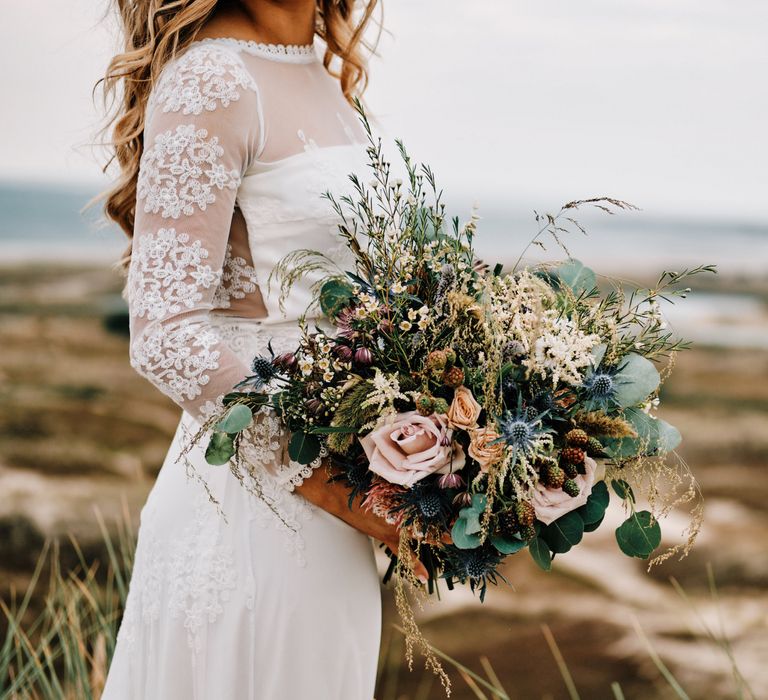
(233, 603)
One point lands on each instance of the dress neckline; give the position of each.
(284, 53)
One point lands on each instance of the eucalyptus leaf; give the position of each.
(507, 545)
(335, 294)
(623, 489)
(303, 448)
(575, 275)
(540, 552)
(221, 448)
(564, 533)
(637, 379)
(594, 509)
(598, 353)
(654, 436)
(591, 527)
(237, 418)
(461, 538)
(639, 535)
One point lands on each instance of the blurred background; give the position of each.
(519, 107)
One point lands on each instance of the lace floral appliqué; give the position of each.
(181, 171)
(176, 357)
(238, 279)
(168, 273)
(205, 77)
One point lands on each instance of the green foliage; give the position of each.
(623, 490)
(303, 447)
(636, 381)
(539, 550)
(575, 275)
(563, 533)
(654, 437)
(237, 418)
(335, 294)
(639, 535)
(594, 509)
(507, 545)
(221, 448)
(466, 531)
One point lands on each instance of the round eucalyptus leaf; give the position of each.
(578, 277)
(335, 294)
(461, 538)
(639, 535)
(564, 533)
(623, 490)
(221, 448)
(303, 447)
(540, 552)
(237, 418)
(594, 509)
(637, 379)
(507, 545)
(654, 436)
(591, 527)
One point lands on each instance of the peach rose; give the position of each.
(464, 410)
(550, 504)
(481, 448)
(410, 446)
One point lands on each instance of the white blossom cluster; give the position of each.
(561, 351)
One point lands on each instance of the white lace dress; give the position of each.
(241, 141)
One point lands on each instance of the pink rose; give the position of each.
(550, 504)
(411, 446)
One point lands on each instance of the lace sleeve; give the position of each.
(203, 127)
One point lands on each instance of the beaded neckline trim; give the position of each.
(287, 53)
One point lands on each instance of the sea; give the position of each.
(50, 223)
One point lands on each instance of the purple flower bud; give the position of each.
(286, 361)
(314, 406)
(450, 481)
(385, 326)
(463, 499)
(343, 352)
(363, 356)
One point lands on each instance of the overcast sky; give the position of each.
(660, 102)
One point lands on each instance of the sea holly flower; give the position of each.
(628, 383)
(522, 433)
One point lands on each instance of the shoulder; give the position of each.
(208, 75)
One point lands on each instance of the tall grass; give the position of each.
(60, 637)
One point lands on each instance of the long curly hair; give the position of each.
(155, 31)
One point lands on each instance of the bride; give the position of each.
(229, 128)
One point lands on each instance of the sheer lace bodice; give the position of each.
(241, 140)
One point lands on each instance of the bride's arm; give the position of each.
(200, 134)
(333, 497)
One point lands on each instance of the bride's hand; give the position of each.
(333, 497)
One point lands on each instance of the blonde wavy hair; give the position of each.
(155, 31)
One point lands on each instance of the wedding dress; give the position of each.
(241, 141)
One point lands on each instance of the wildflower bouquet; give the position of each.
(484, 411)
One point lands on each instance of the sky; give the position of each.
(533, 102)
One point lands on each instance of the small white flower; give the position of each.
(398, 287)
(405, 325)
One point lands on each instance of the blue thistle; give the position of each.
(522, 429)
(478, 566)
(600, 386)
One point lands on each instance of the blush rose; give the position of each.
(550, 504)
(410, 446)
